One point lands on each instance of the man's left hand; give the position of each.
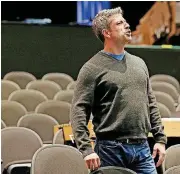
(159, 148)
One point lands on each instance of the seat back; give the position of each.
(167, 88)
(60, 78)
(165, 99)
(11, 112)
(58, 159)
(166, 78)
(164, 111)
(48, 88)
(18, 145)
(28, 98)
(20, 77)
(42, 124)
(173, 170)
(7, 87)
(172, 157)
(65, 95)
(56, 109)
(71, 85)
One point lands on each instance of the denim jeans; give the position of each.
(136, 157)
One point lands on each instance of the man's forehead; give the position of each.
(115, 17)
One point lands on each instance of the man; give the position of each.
(114, 86)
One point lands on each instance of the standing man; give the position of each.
(114, 86)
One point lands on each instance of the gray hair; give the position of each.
(101, 22)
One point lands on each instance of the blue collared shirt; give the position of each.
(116, 56)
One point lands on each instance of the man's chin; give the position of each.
(128, 39)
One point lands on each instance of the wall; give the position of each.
(43, 49)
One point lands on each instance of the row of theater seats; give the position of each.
(49, 85)
(167, 92)
(12, 111)
(22, 94)
(42, 96)
(22, 147)
(59, 86)
(42, 124)
(23, 152)
(23, 78)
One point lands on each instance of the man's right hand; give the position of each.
(92, 161)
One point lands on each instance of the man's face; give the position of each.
(119, 29)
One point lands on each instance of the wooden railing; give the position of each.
(171, 129)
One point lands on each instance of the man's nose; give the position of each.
(127, 25)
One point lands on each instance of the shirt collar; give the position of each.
(115, 56)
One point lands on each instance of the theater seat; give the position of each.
(58, 159)
(20, 77)
(18, 146)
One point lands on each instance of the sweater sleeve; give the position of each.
(81, 109)
(157, 129)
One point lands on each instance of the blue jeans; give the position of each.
(136, 157)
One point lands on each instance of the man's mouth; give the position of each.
(128, 32)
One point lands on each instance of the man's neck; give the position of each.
(114, 49)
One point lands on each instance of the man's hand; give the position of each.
(159, 148)
(92, 161)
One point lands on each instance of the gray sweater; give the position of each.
(119, 95)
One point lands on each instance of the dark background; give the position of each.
(63, 12)
(59, 47)
(44, 49)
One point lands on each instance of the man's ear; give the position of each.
(106, 33)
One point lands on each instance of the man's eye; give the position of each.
(119, 22)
